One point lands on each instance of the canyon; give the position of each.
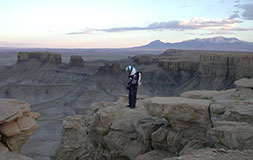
(57, 89)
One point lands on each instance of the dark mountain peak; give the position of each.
(157, 42)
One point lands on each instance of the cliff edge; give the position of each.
(199, 124)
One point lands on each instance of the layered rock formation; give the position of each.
(199, 124)
(17, 123)
(44, 57)
(200, 69)
(227, 65)
(76, 61)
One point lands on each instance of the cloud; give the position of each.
(248, 11)
(181, 25)
(236, 12)
(233, 16)
(84, 31)
(237, 1)
(211, 33)
(213, 25)
(72, 33)
(242, 29)
(216, 33)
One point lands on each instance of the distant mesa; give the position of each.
(44, 57)
(48, 57)
(76, 61)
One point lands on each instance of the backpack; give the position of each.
(139, 74)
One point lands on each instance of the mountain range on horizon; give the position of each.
(219, 43)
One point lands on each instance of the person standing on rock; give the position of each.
(132, 85)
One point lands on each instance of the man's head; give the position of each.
(130, 70)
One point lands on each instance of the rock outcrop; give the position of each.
(5, 154)
(73, 138)
(44, 57)
(76, 61)
(17, 123)
(215, 154)
(206, 124)
(113, 68)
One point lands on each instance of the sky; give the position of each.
(120, 23)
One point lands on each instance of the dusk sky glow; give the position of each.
(120, 23)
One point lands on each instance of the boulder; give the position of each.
(232, 135)
(239, 112)
(76, 61)
(181, 112)
(245, 83)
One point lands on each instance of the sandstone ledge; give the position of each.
(245, 82)
(17, 123)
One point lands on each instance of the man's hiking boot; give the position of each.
(131, 107)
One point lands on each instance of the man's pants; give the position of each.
(132, 96)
